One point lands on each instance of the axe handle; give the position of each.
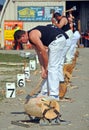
(35, 90)
(68, 10)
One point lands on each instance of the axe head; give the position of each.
(73, 8)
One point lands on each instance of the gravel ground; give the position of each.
(76, 111)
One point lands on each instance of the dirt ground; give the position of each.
(77, 111)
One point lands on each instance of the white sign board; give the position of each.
(27, 72)
(32, 64)
(10, 90)
(21, 80)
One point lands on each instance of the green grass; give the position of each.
(15, 58)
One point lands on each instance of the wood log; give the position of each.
(41, 107)
(76, 53)
(62, 90)
(69, 67)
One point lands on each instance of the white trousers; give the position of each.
(67, 46)
(55, 52)
(72, 49)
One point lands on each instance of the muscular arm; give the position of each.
(62, 22)
(40, 56)
(34, 37)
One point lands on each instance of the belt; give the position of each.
(61, 35)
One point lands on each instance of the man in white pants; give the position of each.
(74, 40)
(42, 37)
(61, 21)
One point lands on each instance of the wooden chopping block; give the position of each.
(69, 68)
(76, 53)
(62, 90)
(41, 107)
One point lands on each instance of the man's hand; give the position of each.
(44, 73)
(53, 20)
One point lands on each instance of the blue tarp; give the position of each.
(2, 2)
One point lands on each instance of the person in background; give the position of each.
(45, 38)
(76, 36)
(17, 45)
(62, 22)
(70, 19)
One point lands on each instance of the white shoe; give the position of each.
(42, 94)
(54, 97)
